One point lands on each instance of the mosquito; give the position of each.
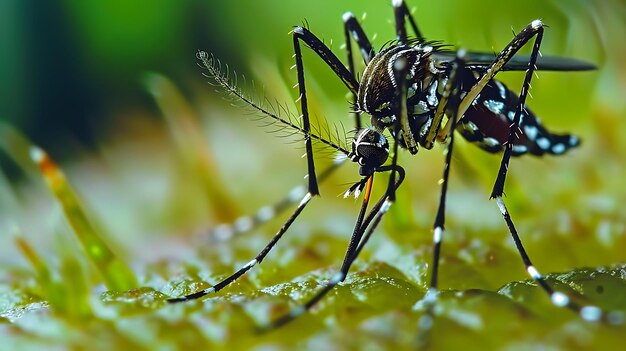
(418, 92)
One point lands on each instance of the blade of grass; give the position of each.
(72, 273)
(116, 274)
(50, 289)
(16, 146)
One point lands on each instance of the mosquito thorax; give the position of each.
(378, 88)
(370, 149)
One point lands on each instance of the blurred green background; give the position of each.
(69, 68)
(77, 78)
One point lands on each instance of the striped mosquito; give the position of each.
(418, 92)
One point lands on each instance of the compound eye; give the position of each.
(371, 149)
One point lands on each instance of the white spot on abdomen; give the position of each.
(501, 89)
(531, 132)
(558, 148)
(491, 141)
(494, 106)
(520, 149)
(543, 143)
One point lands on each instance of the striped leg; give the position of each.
(226, 231)
(352, 29)
(341, 275)
(363, 230)
(401, 14)
(450, 93)
(258, 259)
(587, 312)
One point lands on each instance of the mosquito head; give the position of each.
(370, 149)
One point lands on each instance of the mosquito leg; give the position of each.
(587, 312)
(503, 57)
(428, 141)
(380, 208)
(498, 187)
(306, 124)
(340, 276)
(352, 29)
(401, 13)
(301, 33)
(359, 238)
(226, 231)
(439, 225)
(258, 259)
(451, 94)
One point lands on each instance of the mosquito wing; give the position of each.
(519, 62)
